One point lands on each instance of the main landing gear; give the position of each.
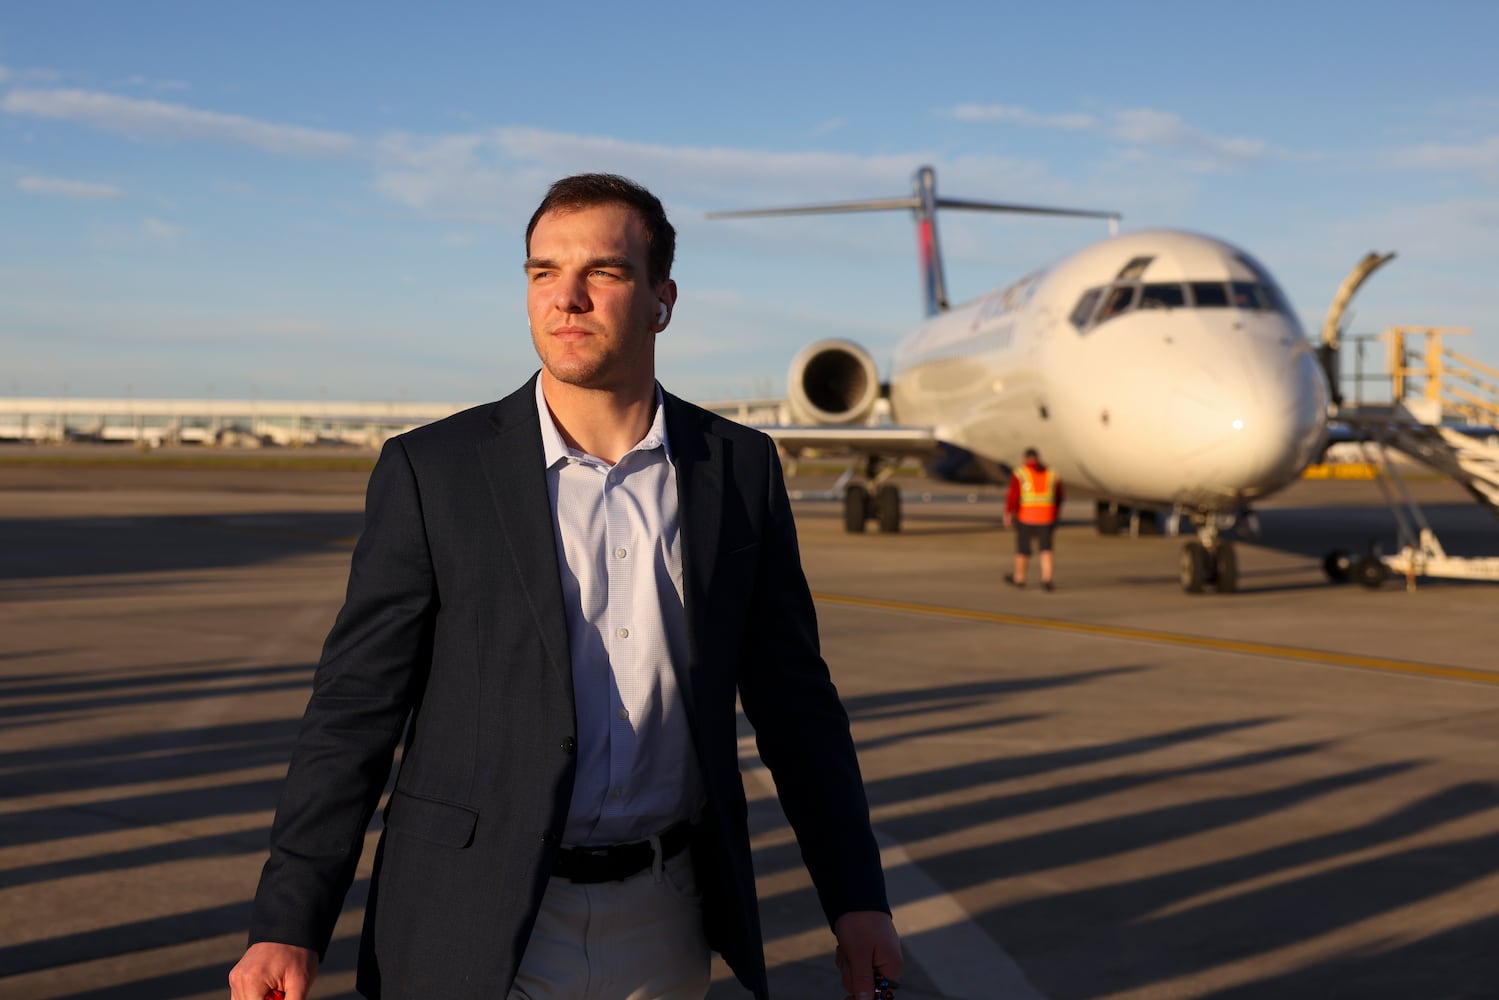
(1111, 518)
(877, 500)
(1210, 561)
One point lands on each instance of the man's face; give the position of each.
(593, 311)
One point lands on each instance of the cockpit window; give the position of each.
(1121, 298)
(1162, 296)
(1124, 296)
(1253, 295)
(1083, 311)
(1209, 294)
(1135, 269)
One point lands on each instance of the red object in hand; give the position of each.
(275, 995)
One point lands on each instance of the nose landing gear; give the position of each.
(1210, 561)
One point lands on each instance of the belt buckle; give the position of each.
(595, 852)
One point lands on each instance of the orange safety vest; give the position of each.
(1038, 495)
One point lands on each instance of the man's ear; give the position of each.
(666, 301)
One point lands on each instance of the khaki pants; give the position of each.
(640, 939)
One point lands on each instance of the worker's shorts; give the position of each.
(1028, 534)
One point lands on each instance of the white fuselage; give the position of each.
(1200, 391)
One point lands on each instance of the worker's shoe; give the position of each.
(1046, 586)
(1010, 579)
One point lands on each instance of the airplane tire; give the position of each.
(855, 509)
(887, 502)
(1338, 565)
(1225, 567)
(1370, 571)
(1195, 567)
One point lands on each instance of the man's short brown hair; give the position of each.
(588, 190)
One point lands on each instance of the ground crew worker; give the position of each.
(1034, 502)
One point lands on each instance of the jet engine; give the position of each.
(832, 382)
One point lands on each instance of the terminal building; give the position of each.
(246, 423)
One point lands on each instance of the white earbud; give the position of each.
(662, 313)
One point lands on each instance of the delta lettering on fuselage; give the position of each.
(1007, 300)
(987, 324)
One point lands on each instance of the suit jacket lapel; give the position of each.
(699, 466)
(514, 467)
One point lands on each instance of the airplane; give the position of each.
(1157, 371)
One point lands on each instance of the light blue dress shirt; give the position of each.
(620, 556)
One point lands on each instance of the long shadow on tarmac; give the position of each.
(1465, 529)
(136, 760)
(1133, 933)
(34, 548)
(1137, 933)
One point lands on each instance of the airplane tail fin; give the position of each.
(928, 249)
(923, 203)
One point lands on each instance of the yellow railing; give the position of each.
(1452, 383)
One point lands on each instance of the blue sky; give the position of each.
(328, 199)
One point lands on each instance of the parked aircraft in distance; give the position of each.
(1158, 371)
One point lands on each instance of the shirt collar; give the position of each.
(555, 450)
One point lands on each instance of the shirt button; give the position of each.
(623, 633)
(620, 552)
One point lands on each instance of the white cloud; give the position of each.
(456, 176)
(497, 177)
(4, 74)
(1136, 127)
(1146, 126)
(503, 172)
(1456, 231)
(1022, 116)
(141, 119)
(63, 188)
(137, 80)
(158, 231)
(1481, 156)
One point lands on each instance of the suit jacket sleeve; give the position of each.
(368, 680)
(801, 728)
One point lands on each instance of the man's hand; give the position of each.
(867, 944)
(267, 966)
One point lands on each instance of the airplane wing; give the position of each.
(889, 441)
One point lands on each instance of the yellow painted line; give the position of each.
(1171, 638)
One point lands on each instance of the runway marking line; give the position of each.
(1173, 638)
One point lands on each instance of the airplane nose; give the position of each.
(1251, 421)
(1231, 409)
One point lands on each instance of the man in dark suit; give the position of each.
(556, 599)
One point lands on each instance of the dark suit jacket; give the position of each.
(453, 634)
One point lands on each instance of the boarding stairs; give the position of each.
(1429, 382)
(1472, 461)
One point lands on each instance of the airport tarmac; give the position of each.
(1116, 790)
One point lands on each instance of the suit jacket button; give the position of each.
(569, 745)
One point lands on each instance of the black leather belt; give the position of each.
(618, 861)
